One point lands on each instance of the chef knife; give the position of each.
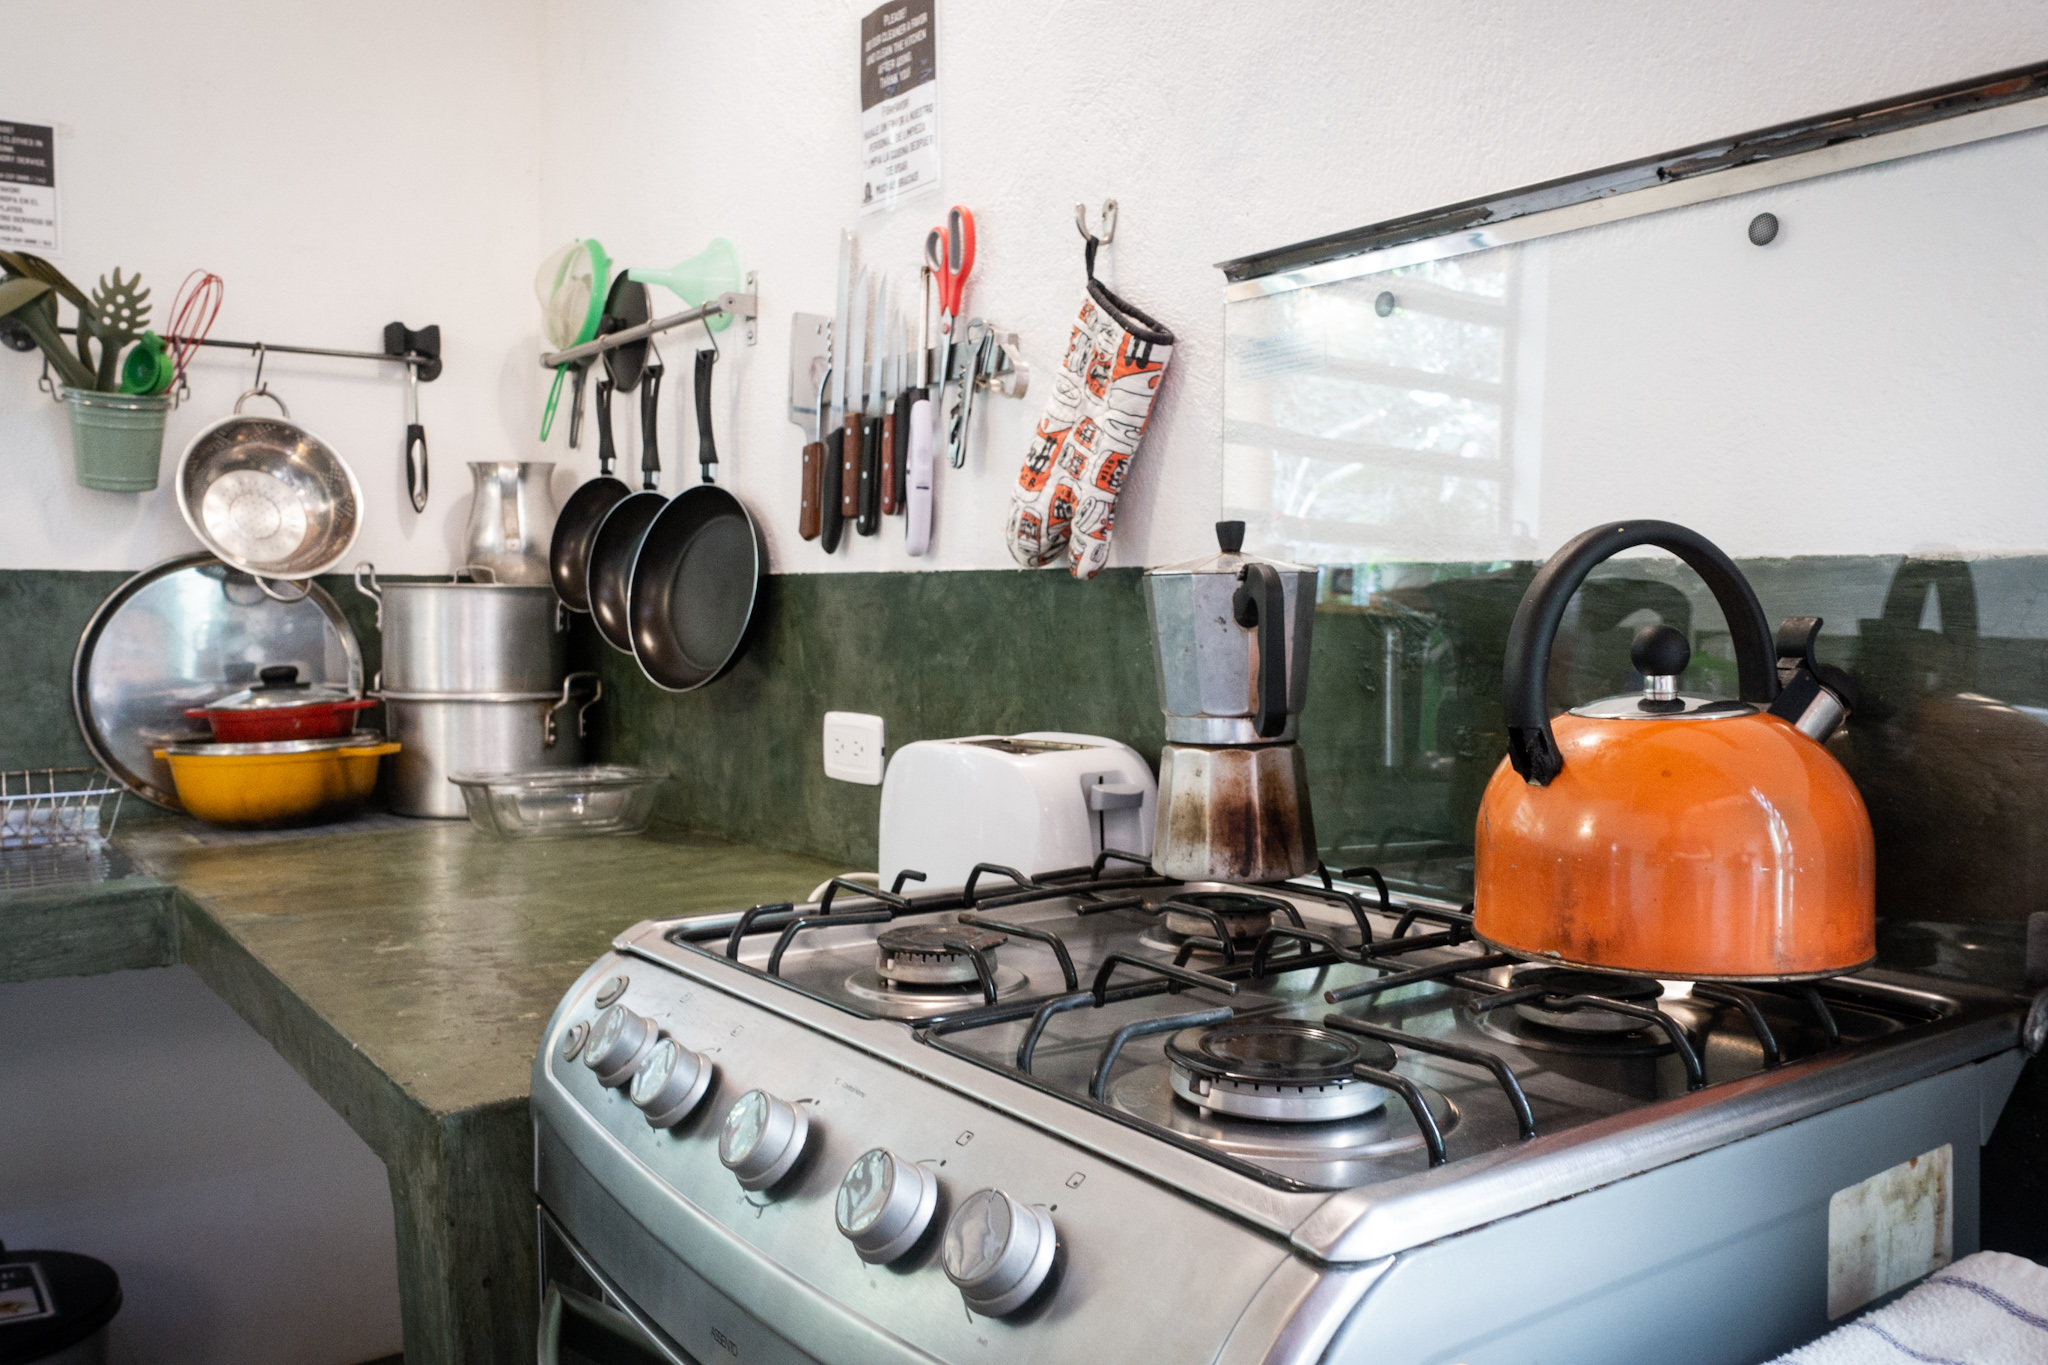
(856, 373)
(828, 468)
(895, 422)
(877, 404)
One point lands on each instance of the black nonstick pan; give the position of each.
(576, 524)
(609, 574)
(698, 574)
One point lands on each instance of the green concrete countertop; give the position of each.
(406, 969)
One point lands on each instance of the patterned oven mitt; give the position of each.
(1064, 501)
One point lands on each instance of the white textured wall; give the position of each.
(342, 168)
(1220, 128)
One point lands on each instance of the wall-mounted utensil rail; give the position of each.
(742, 306)
(427, 361)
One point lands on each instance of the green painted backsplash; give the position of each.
(1403, 726)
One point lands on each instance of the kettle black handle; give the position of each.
(1532, 747)
(1260, 603)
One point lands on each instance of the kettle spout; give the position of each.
(1815, 697)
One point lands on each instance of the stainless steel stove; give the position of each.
(1100, 1114)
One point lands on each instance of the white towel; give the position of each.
(1986, 1309)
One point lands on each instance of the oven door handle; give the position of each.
(604, 1317)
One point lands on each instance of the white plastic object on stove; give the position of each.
(998, 1251)
(1036, 802)
(761, 1139)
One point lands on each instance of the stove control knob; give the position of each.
(670, 1083)
(762, 1138)
(885, 1204)
(619, 1043)
(998, 1251)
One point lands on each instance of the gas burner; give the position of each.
(1561, 982)
(1195, 914)
(934, 954)
(1276, 1071)
(1333, 1154)
(922, 970)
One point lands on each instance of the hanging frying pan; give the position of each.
(626, 306)
(608, 573)
(698, 574)
(576, 524)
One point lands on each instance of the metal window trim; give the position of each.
(2000, 105)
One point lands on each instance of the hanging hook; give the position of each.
(1108, 222)
(257, 387)
(706, 320)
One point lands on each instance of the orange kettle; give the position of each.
(1670, 835)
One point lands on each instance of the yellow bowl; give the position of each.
(268, 785)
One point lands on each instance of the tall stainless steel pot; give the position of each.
(498, 732)
(446, 635)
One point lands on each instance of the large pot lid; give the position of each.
(176, 636)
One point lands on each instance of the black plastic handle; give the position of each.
(416, 465)
(607, 452)
(707, 450)
(1532, 747)
(1260, 603)
(650, 444)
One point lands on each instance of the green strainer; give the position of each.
(571, 287)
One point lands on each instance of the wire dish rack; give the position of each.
(54, 807)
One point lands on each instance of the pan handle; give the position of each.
(707, 451)
(650, 446)
(606, 451)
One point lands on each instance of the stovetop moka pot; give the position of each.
(1230, 641)
(1671, 835)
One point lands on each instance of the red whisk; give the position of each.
(192, 315)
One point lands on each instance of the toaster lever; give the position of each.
(1115, 796)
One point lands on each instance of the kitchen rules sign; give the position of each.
(28, 186)
(899, 105)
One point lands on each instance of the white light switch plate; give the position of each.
(853, 747)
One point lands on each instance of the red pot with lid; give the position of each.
(280, 707)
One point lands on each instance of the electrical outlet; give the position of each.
(853, 747)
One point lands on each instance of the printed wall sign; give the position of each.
(899, 104)
(28, 186)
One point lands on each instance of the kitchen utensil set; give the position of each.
(883, 403)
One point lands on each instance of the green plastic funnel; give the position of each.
(713, 271)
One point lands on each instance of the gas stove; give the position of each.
(997, 1120)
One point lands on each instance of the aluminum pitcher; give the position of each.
(511, 520)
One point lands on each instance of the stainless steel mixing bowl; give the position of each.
(267, 496)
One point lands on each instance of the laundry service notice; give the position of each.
(899, 104)
(28, 186)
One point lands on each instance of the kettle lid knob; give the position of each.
(1660, 652)
(1230, 536)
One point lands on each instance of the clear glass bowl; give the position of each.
(561, 803)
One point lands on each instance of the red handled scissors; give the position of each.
(949, 251)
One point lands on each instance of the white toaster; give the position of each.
(1036, 802)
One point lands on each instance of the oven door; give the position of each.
(584, 1320)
